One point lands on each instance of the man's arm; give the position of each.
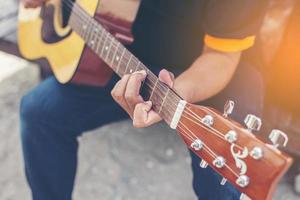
(207, 76)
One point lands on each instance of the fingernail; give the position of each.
(143, 72)
(149, 103)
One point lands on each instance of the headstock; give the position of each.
(252, 166)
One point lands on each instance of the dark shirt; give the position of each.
(170, 33)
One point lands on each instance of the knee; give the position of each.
(29, 108)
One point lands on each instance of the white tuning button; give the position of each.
(242, 181)
(203, 164)
(223, 181)
(228, 108)
(197, 145)
(277, 135)
(208, 120)
(219, 162)
(231, 136)
(256, 153)
(253, 123)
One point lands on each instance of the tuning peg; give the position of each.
(223, 181)
(242, 181)
(203, 164)
(197, 145)
(219, 162)
(275, 136)
(228, 108)
(253, 123)
(208, 120)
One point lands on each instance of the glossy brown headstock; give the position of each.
(252, 166)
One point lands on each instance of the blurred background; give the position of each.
(119, 162)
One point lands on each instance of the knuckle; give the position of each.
(116, 95)
(136, 124)
(129, 97)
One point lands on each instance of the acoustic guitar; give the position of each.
(233, 151)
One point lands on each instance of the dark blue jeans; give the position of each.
(54, 115)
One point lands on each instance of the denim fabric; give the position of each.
(54, 115)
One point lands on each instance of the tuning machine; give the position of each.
(253, 123)
(276, 136)
(228, 108)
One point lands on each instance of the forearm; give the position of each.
(207, 76)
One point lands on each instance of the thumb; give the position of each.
(166, 77)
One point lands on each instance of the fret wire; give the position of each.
(91, 38)
(88, 32)
(99, 40)
(108, 50)
(111, 53)
(128, 63)
(153, 89)
(120, 60)
(113, 58)
(163, 101)
(102, 49)
(137, 66)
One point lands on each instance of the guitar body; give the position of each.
(43, 33)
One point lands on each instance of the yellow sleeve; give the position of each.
(228, 45)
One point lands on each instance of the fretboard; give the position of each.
(122, 61)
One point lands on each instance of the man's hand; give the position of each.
(33, 3)
(126, 94)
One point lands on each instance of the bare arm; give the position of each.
(207, 76)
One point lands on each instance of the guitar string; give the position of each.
(219, 134)
(193, 113)
(159, 89)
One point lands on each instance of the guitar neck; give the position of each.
(122, 61)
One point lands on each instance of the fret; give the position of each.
(111, 52)
(128, 64)
(120, 60)
(153, 89)
(137, 66)
(95, 37)
(133, 65)
(90, 40)
(163, 100)
(87, 30)
(115, 53)
(104, 44)
(109, 49)
(98, 45)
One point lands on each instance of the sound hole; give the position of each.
(66, 11)
(49, 34)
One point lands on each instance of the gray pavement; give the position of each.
(116, 162)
